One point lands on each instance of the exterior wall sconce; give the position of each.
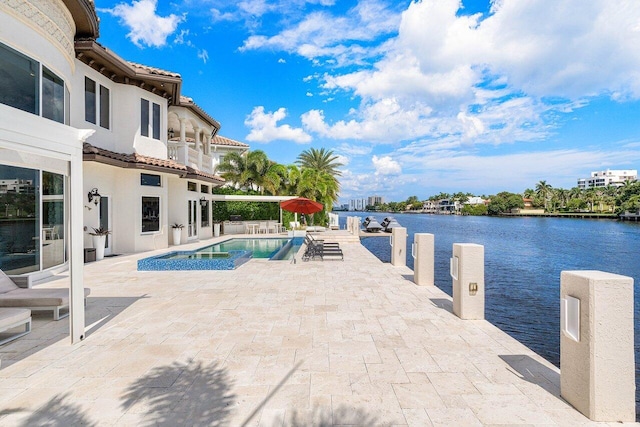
(171, 134)
(203, 202)
(94, 196)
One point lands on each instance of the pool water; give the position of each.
(260, 248)
(227, 255)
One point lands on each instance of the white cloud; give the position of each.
(145, 26)
(353, 150)
(264, 127)
(385, 165)
(485, 79)
(358, 185)
(202, 54)
(282, 61)
(343, 160)
(323, 35)
(309, 94)
(464, 171)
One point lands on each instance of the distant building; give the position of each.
(475, 200)
(16, 186)
(357, 204)
(616, 178)
(375, 200)
(430, 206)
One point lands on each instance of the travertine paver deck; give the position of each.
(274, 344)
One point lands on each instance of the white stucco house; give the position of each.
(41, 227)
(88, 140)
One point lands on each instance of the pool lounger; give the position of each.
(13, 317)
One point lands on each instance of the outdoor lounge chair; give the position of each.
(42, 299)
(13, 317)
(318, 249)
(312, 239)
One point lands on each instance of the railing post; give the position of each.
(423, 259)
(399, 246)
(467, 272)
(597, 373)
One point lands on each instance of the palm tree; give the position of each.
(528, 193)
(322, 160)
(543, 190)
(253, 171)
(234, 169)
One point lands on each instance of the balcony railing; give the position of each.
(190, 156)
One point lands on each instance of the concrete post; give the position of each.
(399, 246)
(467, 272)
(596, 344)
(422, 251)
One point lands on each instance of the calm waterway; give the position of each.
(523, 261)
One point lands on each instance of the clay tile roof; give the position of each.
(221, 140)
(186, 101)
(137, 161)
(153, 70)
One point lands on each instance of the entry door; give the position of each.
(193, 219)
(105, 222)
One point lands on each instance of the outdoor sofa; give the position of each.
(12, 318)
(41, 299)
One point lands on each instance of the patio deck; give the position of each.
(274, 344)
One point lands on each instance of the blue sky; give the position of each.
(415, 97)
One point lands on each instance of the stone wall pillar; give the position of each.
(597, 370)
(467, 272)
(422, 251)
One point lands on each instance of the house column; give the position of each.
(76, 261)
(183, 148)
(199, 147)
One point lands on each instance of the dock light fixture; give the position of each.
(203, 202)
(171, 133)
(94, 196)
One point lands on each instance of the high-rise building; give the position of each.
(375, 200)
(616, 178)
(357, 204)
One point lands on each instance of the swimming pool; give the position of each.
(226, 255)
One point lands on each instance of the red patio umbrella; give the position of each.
(301, 205)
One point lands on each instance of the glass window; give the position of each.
(19, 80)
(150, 180)
(150, 214)
(52, 96)
(53, 242)
(156, 121)
(204, 214)
(19, 220)
(89, 100)
(104, 107)
(144, 117)
(204, 189)
(192, 186)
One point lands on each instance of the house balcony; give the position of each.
(186, 154)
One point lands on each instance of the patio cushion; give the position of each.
(37, 298)
(6, 284)
(11, 316)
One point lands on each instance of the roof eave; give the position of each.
(117, 69)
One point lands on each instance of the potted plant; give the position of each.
(99, 241)
(177, 233)
(216, 227)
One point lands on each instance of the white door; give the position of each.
(193, 219)
(105, 222)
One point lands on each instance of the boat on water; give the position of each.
(371, 225)
(389, 223)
